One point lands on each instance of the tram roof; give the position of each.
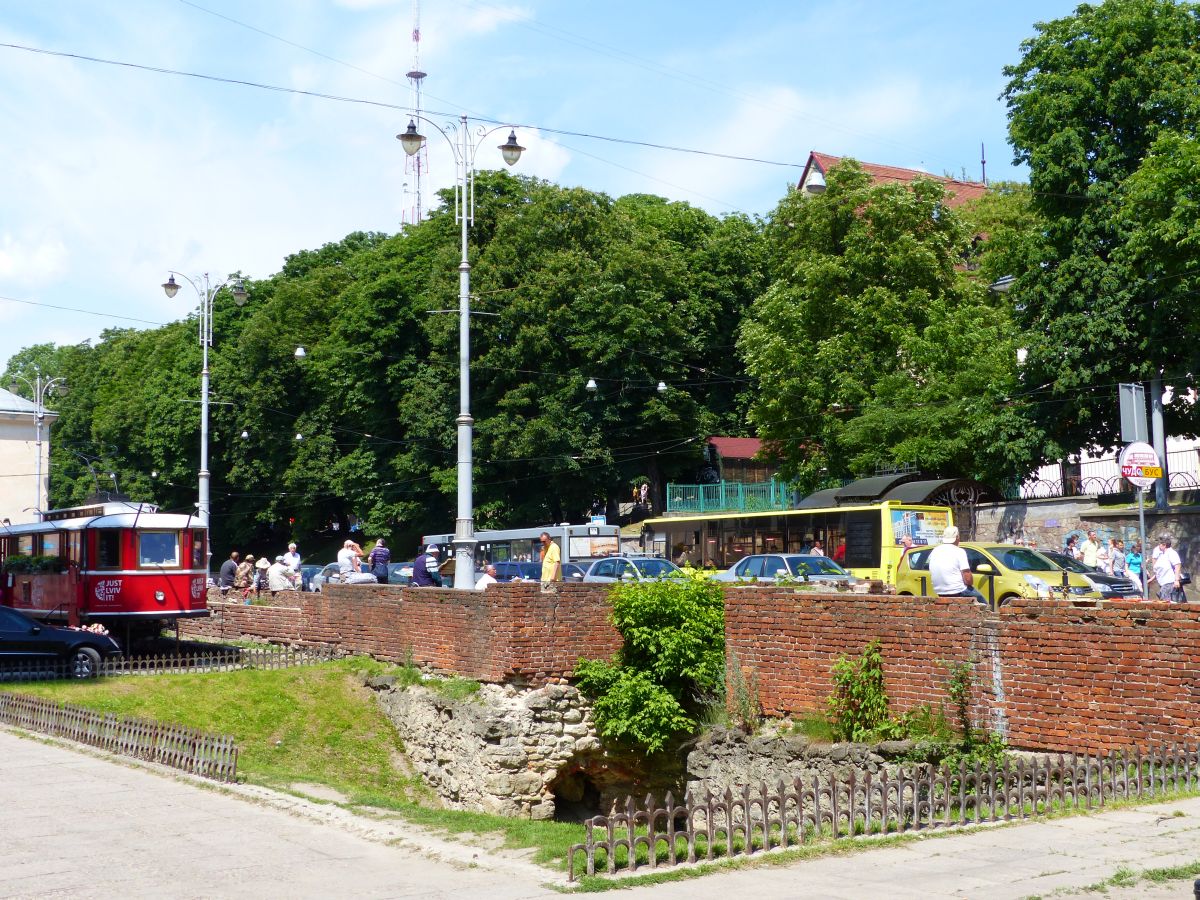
(110, 514)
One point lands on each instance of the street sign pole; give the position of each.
(1141, 467)
(1142, 529)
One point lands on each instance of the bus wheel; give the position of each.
(84, 662)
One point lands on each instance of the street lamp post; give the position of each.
(41, 387)
(207, 293)
(458, 136)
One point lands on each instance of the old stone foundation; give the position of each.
(530, 753)
(724, 757)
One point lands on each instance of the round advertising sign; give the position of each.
(1140, 465)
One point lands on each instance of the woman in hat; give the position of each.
(244, 576)
(261, 582)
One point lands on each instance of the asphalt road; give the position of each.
(80, 825)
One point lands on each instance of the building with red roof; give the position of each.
(812, 181)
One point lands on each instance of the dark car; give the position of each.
(1111, 587)
(27, 643)
(306, 574)
(400, 572)
(518, 571)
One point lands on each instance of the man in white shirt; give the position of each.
(291, 559)
(949, 570)
(1090, 550)
(1167, 570)
(488, 577)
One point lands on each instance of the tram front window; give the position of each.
(158, 548)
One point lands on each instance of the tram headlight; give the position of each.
(160, 596)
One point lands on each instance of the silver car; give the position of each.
(631, 568)
(780, 566)
(328, 575)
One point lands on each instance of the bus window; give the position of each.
(108, 549)
(158, 548)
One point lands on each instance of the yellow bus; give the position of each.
(864, 538)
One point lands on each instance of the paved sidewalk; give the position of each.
(80, 825)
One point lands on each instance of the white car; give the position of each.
(631, 568)
(779, 566)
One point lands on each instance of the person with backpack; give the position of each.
(378, 559)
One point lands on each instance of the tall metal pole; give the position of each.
(39, 415)
(203, 506)
(1161, 486)
(464, 196)
(464, 525)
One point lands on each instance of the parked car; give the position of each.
(306, 575)
(778, 566)
(401, 572)
(328, 575)
(631, 568)
(1111, 587)
(1002, 572)
(24, 641)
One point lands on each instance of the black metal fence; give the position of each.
(212, 756)
(749, 820)
(219, 659)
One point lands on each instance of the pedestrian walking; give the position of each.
(551, 559)
(291, 559)
(1167, 571)
(1133, 564)
(1116, 556)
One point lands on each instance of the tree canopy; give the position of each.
(873, 347)
(1104, 110)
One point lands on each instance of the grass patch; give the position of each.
(1125, 877)
(455, 688)
(816, 727)
(311, 724)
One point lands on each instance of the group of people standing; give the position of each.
(256, 575)
(351, 568)
(1165, 570)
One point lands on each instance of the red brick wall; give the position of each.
(508, 632)
(1053, 675)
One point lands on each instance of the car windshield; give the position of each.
(815, 565)
(1066, 562)
(655, 568)
(1022, 559)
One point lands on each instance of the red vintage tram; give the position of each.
(122, 564)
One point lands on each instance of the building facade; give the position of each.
(22, 492)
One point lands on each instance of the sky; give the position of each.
(110, 175)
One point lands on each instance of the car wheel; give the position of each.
(905, 594)
(1007, 599)
(84, 662)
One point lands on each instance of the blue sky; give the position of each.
(110, 176)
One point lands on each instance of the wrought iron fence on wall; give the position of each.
(916, 797)
(728, 496)
(223, 659)
(212, 756)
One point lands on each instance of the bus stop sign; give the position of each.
(1140, 465)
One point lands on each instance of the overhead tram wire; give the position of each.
(86, 312)
(380, 104)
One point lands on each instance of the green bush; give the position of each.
(33, 564)
(673, 654)
(858, 706)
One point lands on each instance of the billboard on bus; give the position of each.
(923, 526)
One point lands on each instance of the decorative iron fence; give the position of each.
(728, 496)
(223, 659)
(212, 756)
(913, 798)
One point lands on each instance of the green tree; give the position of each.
(1103, 109)
(872, 347)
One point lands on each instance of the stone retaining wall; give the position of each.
(530, 753)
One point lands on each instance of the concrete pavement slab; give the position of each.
(80, 825)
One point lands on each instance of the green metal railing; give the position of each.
(728, 496)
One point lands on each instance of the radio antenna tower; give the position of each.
(416, 164)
